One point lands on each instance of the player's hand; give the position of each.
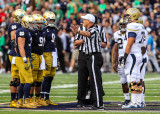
(122, 61)
(115, 65)
(32, 56)
(58, 64)
(27, 65)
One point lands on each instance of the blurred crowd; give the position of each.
(68, 12)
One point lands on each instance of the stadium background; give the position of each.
(68, 12)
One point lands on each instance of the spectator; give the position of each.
(102, 6)
(60, 50)
(75, 53)
(71, 8)
(2, 44)
(107, 28)
(59, 12)
(2, 15)
(151, 50)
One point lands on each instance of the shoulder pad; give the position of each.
(133, 27)
(116, 35)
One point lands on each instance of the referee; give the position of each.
(82, 66)
(92, 46)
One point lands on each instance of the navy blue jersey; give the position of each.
(38, 39)
(50, 35)
(12, 27)
(24, 33)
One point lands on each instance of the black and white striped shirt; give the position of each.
(79, 37)
(92, 44)
(102, 34)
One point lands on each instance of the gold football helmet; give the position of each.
(50, 18)
(27, 22)
(38, 22)
(132, 14)
(122, 25)
(18, 14)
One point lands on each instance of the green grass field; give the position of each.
(64, 89)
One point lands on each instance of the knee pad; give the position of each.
(14, 82)
(38, 84)
(123, 80)
(139, 87)
(18, 82)
(132, 86)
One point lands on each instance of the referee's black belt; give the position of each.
(81, 52)
(93, 53)
(90, 54)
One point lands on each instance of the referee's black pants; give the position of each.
(94, 64)
(83, 74)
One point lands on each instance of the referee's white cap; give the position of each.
(89, 17)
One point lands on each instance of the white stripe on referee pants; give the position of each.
(95, 81)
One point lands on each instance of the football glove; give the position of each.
(58, 63)
(27, 65)
(122, 60)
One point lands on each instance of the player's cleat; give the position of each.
(40, 102)
(13, 103)
(49, 102)
(27, 104)
(126, 102)
(130, 105)
(32, 101)
(143, 104)
(139, 105)
(80, 104)
(19, 103)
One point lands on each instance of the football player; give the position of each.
(132, 58)
(50, 55)
(23, 47)
(143, 64)
(38, 39)
(119, 37)
(17, 16)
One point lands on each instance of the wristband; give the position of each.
(125, 55)
(24, 59)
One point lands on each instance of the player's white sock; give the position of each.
(134, 98)
(126, 96)
(139, 98)
(143, 95)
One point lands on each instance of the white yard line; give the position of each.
(75, 85)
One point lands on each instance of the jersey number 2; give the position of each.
(120, 43)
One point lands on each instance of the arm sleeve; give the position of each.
(132, 34)
(78, 36)
(93, 32)
(103, 35)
